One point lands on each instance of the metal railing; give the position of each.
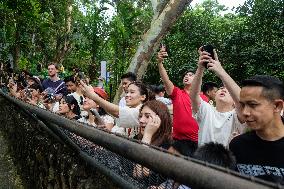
(190, 172)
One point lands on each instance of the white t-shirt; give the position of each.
(215, 126)
(122, 102)
(107, 119)
(85, 120)
(128, 118)
(164, 100)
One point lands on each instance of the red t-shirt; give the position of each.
(184, 125)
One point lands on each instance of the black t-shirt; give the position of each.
(259, 158)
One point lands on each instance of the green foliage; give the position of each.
(23, 64)
(249, 42)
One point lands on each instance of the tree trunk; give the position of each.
(167, 12)
(16, 49)
(61, 52)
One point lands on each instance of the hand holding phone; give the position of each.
(163, 48)
(210, 50)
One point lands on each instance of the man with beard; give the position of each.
(54, 84)
(185, 128)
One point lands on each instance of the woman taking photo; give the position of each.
(96, 114)
(127, 117)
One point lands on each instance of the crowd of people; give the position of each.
(238, 128)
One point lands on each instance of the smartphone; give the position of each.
(209, 49)
(165, 49)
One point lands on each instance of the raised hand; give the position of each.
(162, 54)
(88, 90)
(204, 59)
(215, 65)
(31, 101)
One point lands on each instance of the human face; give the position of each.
(71, 87)
(145, 116)
(30, 82)
(188, 78)
(212, 93)
(223, 96)
(89, 104)
(257, 111)
(63, 107)
(133, 97)
(52, 71)
(125, 83)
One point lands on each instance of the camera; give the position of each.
(49, 95)
(209, 49)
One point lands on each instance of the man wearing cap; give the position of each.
(101, 92)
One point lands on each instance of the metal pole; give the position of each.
(115, 178)
(184, 171)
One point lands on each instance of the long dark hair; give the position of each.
(164, 133)
(70, 100)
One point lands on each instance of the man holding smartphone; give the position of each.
(185, 128)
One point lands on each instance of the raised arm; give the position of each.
(169, 86)
(197, 81)
(111, 108)
(229, 83)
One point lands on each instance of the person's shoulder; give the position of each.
(205, 106)
(176, 89)
(45, 80)
(60, 81)
(243, 138)
(130, 109)
(203, 97)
